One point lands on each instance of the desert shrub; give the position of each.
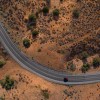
(84, 55)
(45, 93)
(61, 51)
(32, 18)
(26, 43)
(35, 33)
(76, 14)
(85, 68)
(45, 10)
(2, 63)
(79, 0)
(56, 12)
(7, 83)
(96, 62)
(31, 21)
(39, 50)
(72, 67)
(61, 0)
(1, 98)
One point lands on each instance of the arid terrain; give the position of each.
(59, 41)
(64, 43)
(28, 86)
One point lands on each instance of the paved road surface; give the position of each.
(44, 72)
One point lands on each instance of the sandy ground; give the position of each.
(29, 86)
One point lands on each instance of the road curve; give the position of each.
(42, 71)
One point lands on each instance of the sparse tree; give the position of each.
(85, 68)
(76, 14)
(45, 10)
(56, 12)
(84, 55)
(96, 62)
(26, 43)
(35, 33)
(2, 63)
(32, 18)
(7, 83)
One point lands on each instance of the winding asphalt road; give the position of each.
(42, 71)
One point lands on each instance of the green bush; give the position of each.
(26, 43)
(45, 93)
(1, 98)
(45, 10)
(56, 12)
(7, 83)
(84, 55)
(72, 67)
(35, 33)
(61, 0)
(85, 68)
(32, 18)
(96, 62)
(76, 14)
(2, 63)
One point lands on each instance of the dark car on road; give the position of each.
(65, 79)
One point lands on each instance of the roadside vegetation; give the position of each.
(7, 83)
(84, 55)
(85, 67)
(45, 94)
(26, 43)
(58, 27)
(32, 18)
(31, 21)
(96, 62)
(2, 63)
(45, 10)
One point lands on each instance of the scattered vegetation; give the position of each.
(85, 68)
(61, 33)
(39, 50)
(56, 12)
(79, 0)
(76, 14)
(7, 83)
(45, 10)
(71, 66)
(1, 98)
(32, 18)
(96, 62)
(35, 33)
(84, 55)
(2, 63)
(69, 94)
(45, 93)
(26, 43)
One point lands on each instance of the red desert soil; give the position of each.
(58, 41)
(29, 86)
